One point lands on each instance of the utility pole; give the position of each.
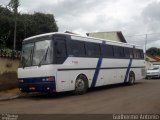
(14, 5)
(15, 31)
(145, 43)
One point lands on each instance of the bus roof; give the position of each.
(93, 38)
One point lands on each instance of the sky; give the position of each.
(135, 18)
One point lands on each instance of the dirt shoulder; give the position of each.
(8, 81)
(10, 93)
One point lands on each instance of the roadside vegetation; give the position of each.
(26, 25)
(153, 51)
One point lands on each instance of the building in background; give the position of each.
(152, 60)
(114, 35)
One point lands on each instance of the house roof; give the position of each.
(153, 58)
(119, 34)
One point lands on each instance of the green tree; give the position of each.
(153, 51)
(44, 22)
(6, 25)
(28, 25)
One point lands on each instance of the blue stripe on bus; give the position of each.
(128, 69)
(96, 73)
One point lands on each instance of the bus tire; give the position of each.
(81, 85)
(131, 78)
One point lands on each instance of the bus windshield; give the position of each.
(27, 51)
(36, 54)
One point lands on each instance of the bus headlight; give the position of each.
(48, 88)
(21, 81)
(48, 79)
(51, 78)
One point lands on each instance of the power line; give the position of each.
(148, 41)
(141, 35)
(142, 40)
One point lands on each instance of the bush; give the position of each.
(7, 53)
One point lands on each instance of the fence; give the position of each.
(9, 62)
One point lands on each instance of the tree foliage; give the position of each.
(27, 25)
(153, 51)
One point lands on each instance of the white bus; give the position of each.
(57, 62)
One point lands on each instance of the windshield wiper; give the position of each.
(44, 57)
(29, 57)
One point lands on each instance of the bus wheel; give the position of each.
(81, 85)
(131, 78)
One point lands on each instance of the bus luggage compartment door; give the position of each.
(63, 81)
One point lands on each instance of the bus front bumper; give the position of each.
(37, 85)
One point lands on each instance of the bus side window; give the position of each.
(128, 52)
(137, 54)
(92, 49)
(60, 52)
(119, 52)
(60, 48)
(142, 54)
(107, 51)
(134, 53)
(76, 48)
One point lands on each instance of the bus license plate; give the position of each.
(32, 88)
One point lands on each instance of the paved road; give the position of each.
(143, 97)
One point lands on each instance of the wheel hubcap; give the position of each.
(80, 84)
(132, 79)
